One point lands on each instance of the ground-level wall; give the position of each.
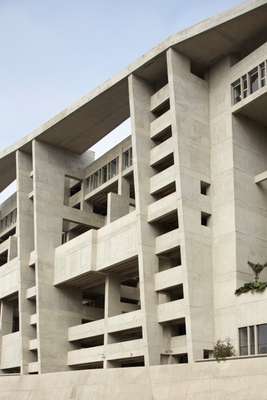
(236, 379)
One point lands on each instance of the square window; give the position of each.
(204, 188)
(205, 219)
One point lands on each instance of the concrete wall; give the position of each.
(236, 379)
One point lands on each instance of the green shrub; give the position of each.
(223, 349)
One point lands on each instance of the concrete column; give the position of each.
(58, 308)
(189, 105)
(140, 94)
(223, 202)
(25, 236)
(112, 296)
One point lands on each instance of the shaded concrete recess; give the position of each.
(133, 259)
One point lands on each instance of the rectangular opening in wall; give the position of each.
(163, 164)
(73, 187)
(204, 188)
(162, 135)
(161, 109)
(175, 327)
(71, 230)
(170, 259)
(125, 335)
(3, 258)
(165, 191)
(92, 365)
(207, 354)
(171, 294)
(166, 223)
(180, 358)
(205, 219)
(93, 303)
(89, 342)
(127, 362)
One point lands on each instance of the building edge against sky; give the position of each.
(133, 259)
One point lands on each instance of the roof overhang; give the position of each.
(80, 126)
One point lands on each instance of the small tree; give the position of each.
(223, 349)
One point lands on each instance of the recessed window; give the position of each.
(262, 338)
(254, 80)
(204, 188)
(236, 91)
(205, 219)
(247, 340)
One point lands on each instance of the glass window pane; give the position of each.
(243, 341)
(254, 80)
(262, 338)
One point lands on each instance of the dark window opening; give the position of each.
(205, 219)
(204, 188)
(4, 258)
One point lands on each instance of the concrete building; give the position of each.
(133, 259)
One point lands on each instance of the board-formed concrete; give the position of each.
(133, 259)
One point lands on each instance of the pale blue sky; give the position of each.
(54, 51)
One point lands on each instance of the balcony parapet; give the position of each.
(114, 351)
(11, 351)
(113, 324)
(9, 277)
(95, 250)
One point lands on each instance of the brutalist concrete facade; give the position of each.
(133, 259)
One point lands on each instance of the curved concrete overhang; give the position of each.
(81, 125)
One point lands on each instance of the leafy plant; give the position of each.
(223, 349)
(256, 285)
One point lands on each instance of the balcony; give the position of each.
(129, 349)
(170, 277)
(162, 207)
(11, 351)
(9, 277)
(160, 126)
(33, 344)
(114, 351)
(74, 258)
(167, 241)
(113, 324)
(178, 344)
(31, 293)
(86, 356)
(162, 180)
(33, 319)
(33, 367)
(160, 97)
(124, 321)
(84, 331)
(253, 107)
(87, 255)
(161, 152)
(171, 311)
(249, 87)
